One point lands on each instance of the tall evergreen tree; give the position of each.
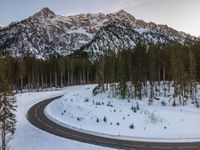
(192, 77)
(122, 85)
(152, 71)
(7, 103)
(61, 65)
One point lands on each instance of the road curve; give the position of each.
(36, 117)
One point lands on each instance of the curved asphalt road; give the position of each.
(36, 117)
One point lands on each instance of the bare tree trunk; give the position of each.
(21, 83)
(55, 78)
(80, 77)
(164, 81)
(146, 88)
(61, 79)
(84, 80)
(68, 78)
(38, 81)
(50, 80)
(32, 81)
(64, 79)
(71, 78)
(29, 82)
(159, 80)
(46, 80)
(88, 80)
(42, 80)
(168, 86)
(151, 92)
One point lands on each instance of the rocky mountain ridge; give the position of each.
(46, 34)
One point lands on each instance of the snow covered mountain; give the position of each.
(1, 27)
(46, 34)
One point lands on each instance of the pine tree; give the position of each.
(192, 76)
(8, 118)
(112, 73)
(174, 73)
(139, 67)
(164, 58)
(100, 74)
(61, 65)
(152, 71)
(7, 104)
(179, 74)
(122, 86)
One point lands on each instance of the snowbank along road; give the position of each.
(37, 117)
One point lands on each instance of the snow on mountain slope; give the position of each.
(46, 34)
(125, 32)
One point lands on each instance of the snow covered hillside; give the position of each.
(28, 137)
(126, 118)
(46, 34)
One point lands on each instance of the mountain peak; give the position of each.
(124, 15)
(121, 12)
(45, 13)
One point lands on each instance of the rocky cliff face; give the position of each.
(46, 34)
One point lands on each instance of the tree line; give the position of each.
(152, 63)
(29, 73)
(147, 70)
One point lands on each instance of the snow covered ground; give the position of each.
(79, 108)
(28, 137)
(105, 115)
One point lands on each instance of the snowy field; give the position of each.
(105, 115)
(28, 137)
(126, 118)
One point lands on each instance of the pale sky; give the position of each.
(183, 15)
